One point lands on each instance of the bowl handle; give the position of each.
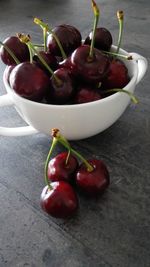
(6, 100)
(142, 65)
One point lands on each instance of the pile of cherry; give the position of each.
(63, 69)
(66, 70)
(64, 174)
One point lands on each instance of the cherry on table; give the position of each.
(62, 167)
(60, 200)
(95, 181)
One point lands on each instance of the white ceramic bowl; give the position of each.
(74, 121)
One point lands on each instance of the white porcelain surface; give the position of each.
(74, 121)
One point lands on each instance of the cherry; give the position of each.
(7, 71)
(66, 63)
(69, 37)
(95, 181)
(29, 81)
(89, 70)
(117, 76)
(103, 39)
(86, 94)
(88, 62)
(62, 89)
(59, 200)
(49, 59)
(118, 73)
(62, 167)
(46, 29)
(18, 48)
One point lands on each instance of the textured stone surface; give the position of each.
(114, 230)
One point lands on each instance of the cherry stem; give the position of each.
(129, 57)
(30, 52)
(10, 53)
(68, 155)
(44, 28)
(54, 143)
(45, 39)
(120, 16)
(58, 81)
(96, 19)
(26, 39)
(48, 29)
(61, 139)
(38, 45)
(133, 98)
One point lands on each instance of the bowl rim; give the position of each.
(74, 106)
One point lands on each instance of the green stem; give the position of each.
(64, 56)
(10, 53)
(133, 98)
(30, 53)
(62, 140)
(48, 29)
(88, 165)
(54, 142)
(38, 45)
(96, 19)
(129, 57)
(58, 81)
(45, 39)
(26, 39)
(120, 17)
(68, 155)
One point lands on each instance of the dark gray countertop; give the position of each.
(114, 230)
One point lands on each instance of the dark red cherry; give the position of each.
(60, 201)
(86, 94)
(66, 64)
(29, 81)
(89, 70)
(49, 59)
(19, 49)
(7, 71)
(69, 37)
(60, 92)
(95, 181)
(117, 76)
(59, 168)
(103, 39)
